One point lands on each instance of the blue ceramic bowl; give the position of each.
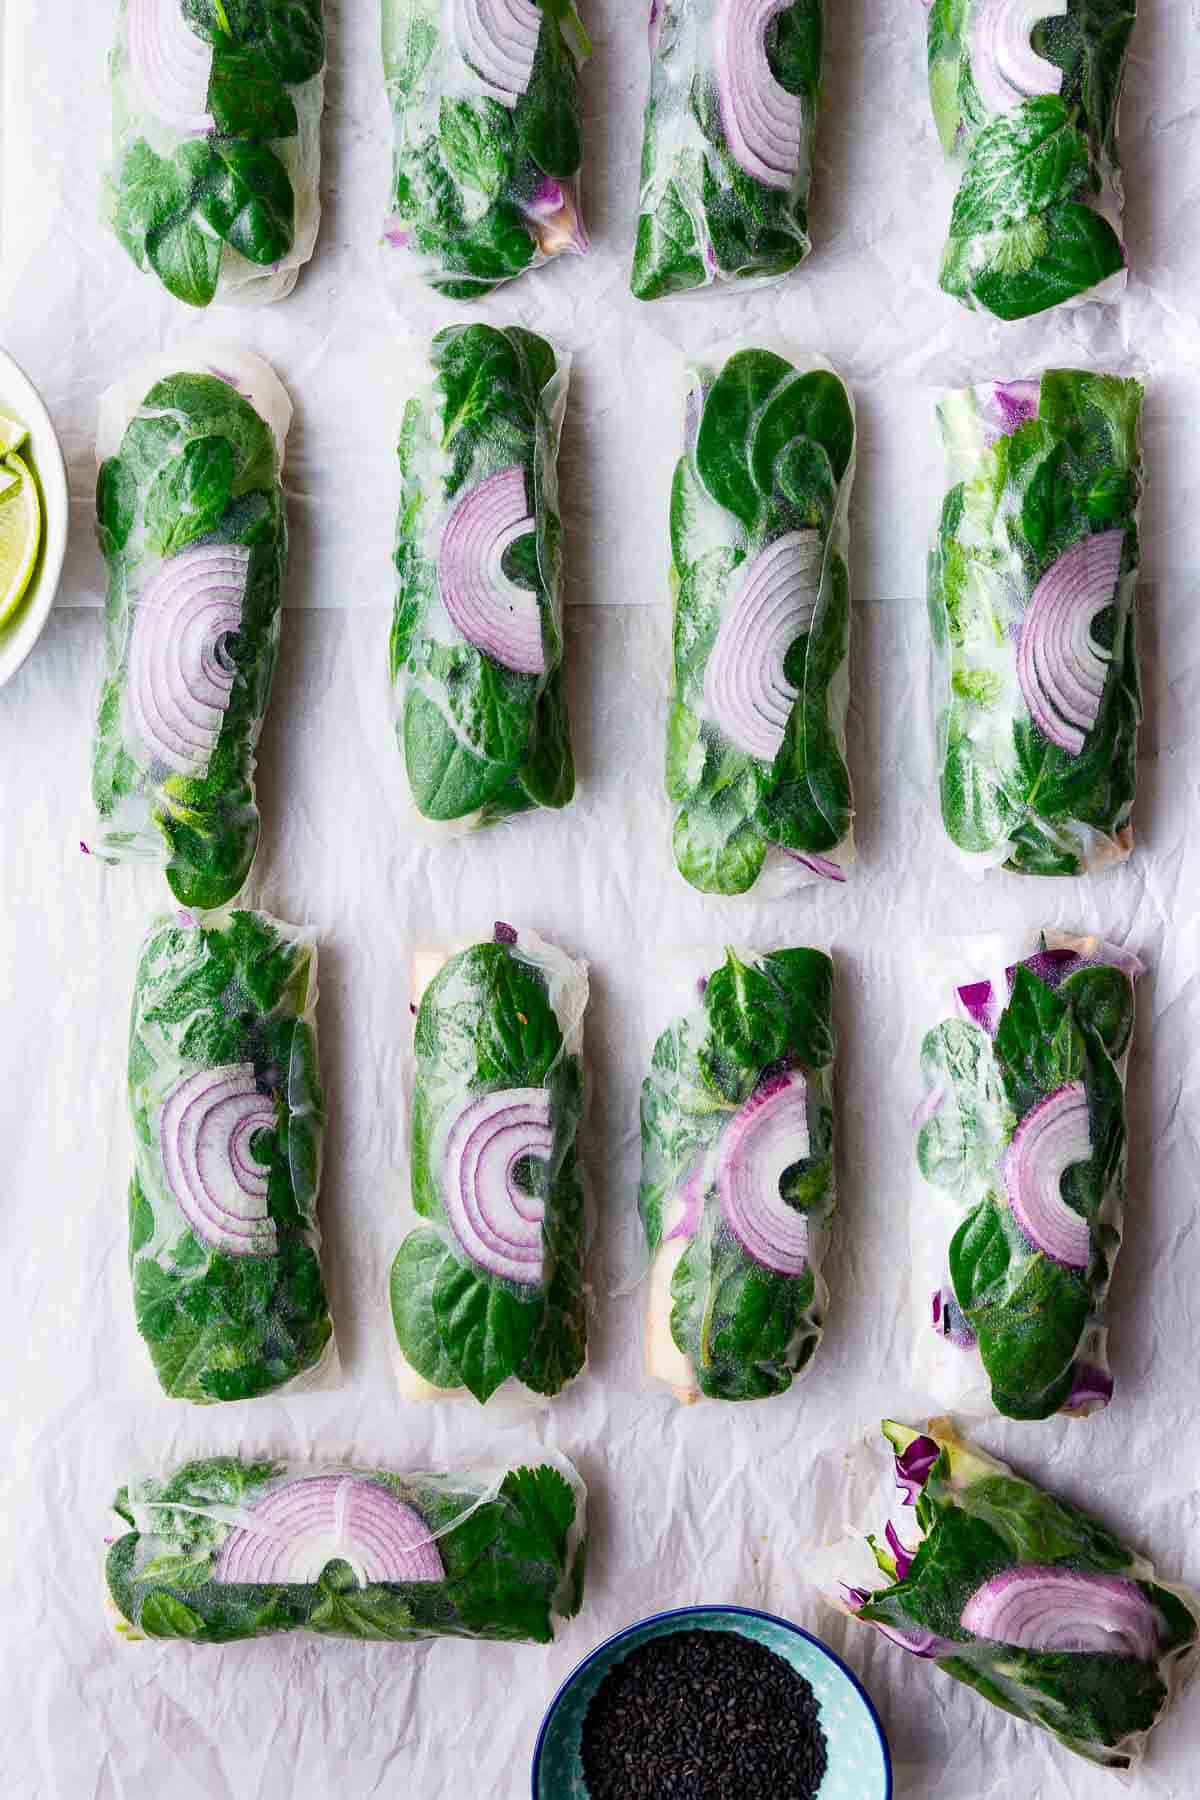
(859, 1765)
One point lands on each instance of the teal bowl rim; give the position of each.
(685, 1612)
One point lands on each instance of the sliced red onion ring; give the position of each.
(297, 1530)
(498, 1225)
(948, 1320)
(180, 674)
(492, 612)
(823, 866)
(1053, 1136)
(900, 1551)
(1050, 1609)
(745, 688)
(1061, 669)
(205, 1128)
(171, 66)
(498, 39)
(1091, 1388)
(1005, 67)
(763, 123)
(766, 1137)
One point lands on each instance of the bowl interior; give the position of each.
(859, 1766)
(21, 400)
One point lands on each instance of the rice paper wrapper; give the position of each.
(731, 117)
(228, 1124)
(1028, 1599)
(1020, 1172)
(227, 1547)
(738, 1183)
(487, 140)
(756, 730)
(478, 683)
(214, 181)
(1026, 99)
(1033, 578)
(192, 521)
(487, 1290)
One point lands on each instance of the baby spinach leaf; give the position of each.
(246, 99)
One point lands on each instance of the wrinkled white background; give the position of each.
(707, 1505)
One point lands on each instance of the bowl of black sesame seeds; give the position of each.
(711, 1703)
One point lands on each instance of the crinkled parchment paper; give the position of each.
(711, 1504)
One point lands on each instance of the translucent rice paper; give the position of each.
(760, 542)
(228, 1548)
(476, 651)
(214, 184)
(228, 1122)
(1033, 582)
(192, 523)
(1025, 97)
(727, 156)
(729, 1314)
(488, 139)
(1088, 1643)
(999, 1322)
(487, 1292)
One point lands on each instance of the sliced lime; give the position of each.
(20, 533)
(12, 434)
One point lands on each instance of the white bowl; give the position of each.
(20, 399)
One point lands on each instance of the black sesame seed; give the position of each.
(703, 1715)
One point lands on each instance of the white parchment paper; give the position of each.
(714, 1503)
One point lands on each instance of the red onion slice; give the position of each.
(763, 123)
(498, 39)
(180, 674)
(171, 66)
(295, 1531)
(745, 688)
(498, 1225)
(205, 1128)
(765, 1138)
(492, 612)
(1060, 667)
(1004, 406)
(1050, 1609)
(1005, 67)
(1053, 1136)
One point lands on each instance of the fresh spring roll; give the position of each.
(214, 184)
(756, 739)
(1029, 1601)
(225, 1099)
(738, 1179)
(488, 1289)
(476, 654)
(488, 140)
(1021, 1141)
(1025, 96)
(227, 1548)
(727, 154)
(1032, 591)
(191, 520)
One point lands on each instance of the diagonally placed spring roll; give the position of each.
(1025, 96)
(756, 768)
(727, 155)
(1021, 1139)
(1024, 1598)
(1032, 590)
(477, 635)
(228, 1548)
(225, 1100)
(488, 141)
(214, 185)
(191, 519)
(488, 1290)
(738, 1179)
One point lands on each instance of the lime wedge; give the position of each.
(12, 434)
(20, 533)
